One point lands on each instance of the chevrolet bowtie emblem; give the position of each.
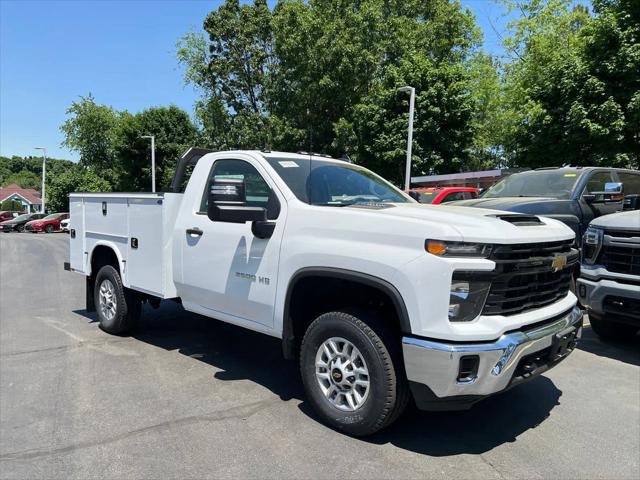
(559, 263)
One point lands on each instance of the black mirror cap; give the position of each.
(236, 214)
(263, 229)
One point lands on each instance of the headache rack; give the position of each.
(529, 276)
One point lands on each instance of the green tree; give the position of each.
(174, 133)
(75, 179)
(90, 131)
(323, 75)
(571, 90)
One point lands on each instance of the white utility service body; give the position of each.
(167, 247)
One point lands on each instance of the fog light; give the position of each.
(468, 368)
(582, 291)
(466, 297)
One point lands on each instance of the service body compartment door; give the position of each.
(77, 247)
(145, 258)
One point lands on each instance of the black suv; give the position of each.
(573, 195)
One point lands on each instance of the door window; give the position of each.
(257, 191)
(454, 196)
(597, 180)
(630, 182)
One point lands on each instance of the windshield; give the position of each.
(543, 183)
(26, 216)
(327, 183)
(53, 216)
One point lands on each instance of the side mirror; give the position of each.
(227, 203)
(612, 193)
(613, 187)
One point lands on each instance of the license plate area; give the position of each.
(563, 343)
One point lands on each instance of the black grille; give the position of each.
(525, 277)
(620, 259)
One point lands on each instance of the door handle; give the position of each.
(195, 231)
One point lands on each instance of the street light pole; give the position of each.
(412, 98)
(44, 172)
(153, 161)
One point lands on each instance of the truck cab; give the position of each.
(573, 195)
(378, 297)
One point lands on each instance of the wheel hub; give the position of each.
(342, 374)
(107, 299)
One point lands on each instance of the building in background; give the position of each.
(27, 197)
(483, 179)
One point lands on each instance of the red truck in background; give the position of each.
(436, 195)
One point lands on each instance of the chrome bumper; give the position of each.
(436, 365)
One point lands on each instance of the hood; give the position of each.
(477, 224)
(504, 203)
(619, 221)
(12, 222)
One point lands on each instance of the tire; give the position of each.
(20, 228)
(118, 307)
(378, 350)
(48, 229)
(611, 330)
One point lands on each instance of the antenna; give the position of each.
(310, 141)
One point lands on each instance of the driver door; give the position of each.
(226, 271)
(596, 183)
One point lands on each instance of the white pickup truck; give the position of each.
(380, 298)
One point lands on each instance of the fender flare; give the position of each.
(112, 246)
(288, 339)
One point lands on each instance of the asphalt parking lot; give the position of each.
(190, 397)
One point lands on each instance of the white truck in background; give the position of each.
(379, 298)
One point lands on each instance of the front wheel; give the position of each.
(20, 228)
(352, 372)
(48, 229)
(118, 307)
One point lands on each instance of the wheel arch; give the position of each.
(291, 338)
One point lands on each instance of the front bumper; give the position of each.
(593, 293)
(435, 369)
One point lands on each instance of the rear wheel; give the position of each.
(611, 330)
(352, 372)
(20, 228)
(48, 228)
(118, 307)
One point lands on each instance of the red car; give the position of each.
(438, 195)
(8, 215)
(48, 224)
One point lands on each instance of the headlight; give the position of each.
(466, 297)
(591, 244)
(457, 249)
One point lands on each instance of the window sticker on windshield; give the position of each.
(288, 164)
(570, 174)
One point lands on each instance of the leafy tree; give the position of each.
(90, 130)
(174, 132)
(323, 75)
(572, 87)
(75, 179)
(15, 205)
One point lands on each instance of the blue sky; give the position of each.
(123, 52)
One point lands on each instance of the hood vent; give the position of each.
(519, 220)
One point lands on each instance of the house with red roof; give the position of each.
(30, 198)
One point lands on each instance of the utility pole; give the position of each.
(412, 97)
(153, 161)
(44, 172)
